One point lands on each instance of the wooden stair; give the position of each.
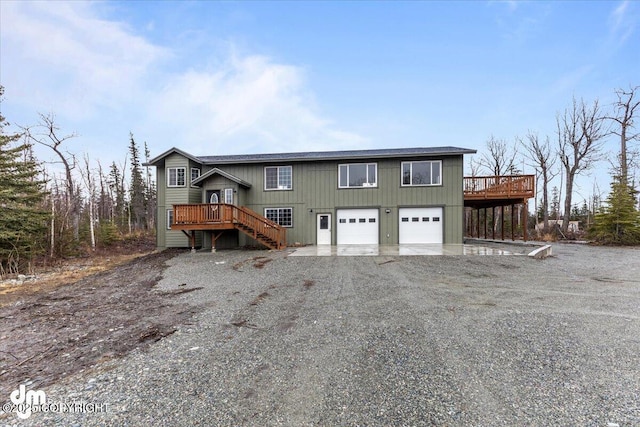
(265, 231)
(223, 216)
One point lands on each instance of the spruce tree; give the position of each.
(618, 222)
(115, 180)
(137, 189)
(23, 221)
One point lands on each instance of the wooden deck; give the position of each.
(222, 216)
(490, 192)
(487, 191)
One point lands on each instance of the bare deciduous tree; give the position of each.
(580, 131)
(500, 157)
(90, 184)
(539, 153)
(625, 108)
(48, 135)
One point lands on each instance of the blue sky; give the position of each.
(251, 77)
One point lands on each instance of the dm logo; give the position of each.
(25, 400)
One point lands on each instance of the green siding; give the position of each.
(315, 190)
(169, 196)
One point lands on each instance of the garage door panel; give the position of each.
(420, 225)
(358, 226)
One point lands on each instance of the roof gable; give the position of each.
(174, 150)
(216, 171)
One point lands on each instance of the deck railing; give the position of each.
(221, 215)
(499, 187)
(196, 214)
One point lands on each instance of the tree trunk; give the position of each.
(545, 201)
(91, 225)
(566, 217)
(53, 228)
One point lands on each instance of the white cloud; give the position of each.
(103, 80)
(622, 22)
(249, 104)
(59, 56)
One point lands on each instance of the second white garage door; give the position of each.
(357, 226)
(420, 225)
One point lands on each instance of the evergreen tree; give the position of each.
(23, 222)
(151, 192)
(137, 189)
(618, 222)
(115, 181)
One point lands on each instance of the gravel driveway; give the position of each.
(383, 341)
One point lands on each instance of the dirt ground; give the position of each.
(70, 320)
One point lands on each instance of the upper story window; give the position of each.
(195, 174)
(278, 178)
(422, 173)
(358, 175)
(176, 177)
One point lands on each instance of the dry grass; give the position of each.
(70, 272)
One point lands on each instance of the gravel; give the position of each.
(380, 341)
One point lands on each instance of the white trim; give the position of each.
(192, 170)
(169, 218)
(410, 163)
(278, 215)
(228, 196)
(364, 184)
(184, 172)
(279, 187)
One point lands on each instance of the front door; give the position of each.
(324, 229)
(213, 196)
(213, 213)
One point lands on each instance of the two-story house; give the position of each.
(383, 196)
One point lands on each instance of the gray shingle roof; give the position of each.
(336, 155)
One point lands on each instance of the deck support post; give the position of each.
(485, 223)
(525, 219)
(502, 222)
(478, 222)
(493, 222)
(513, 237)
(192, 238)
(214, 237)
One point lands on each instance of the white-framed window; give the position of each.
(169, 218)
(195, 174)
(282, 216)
(358, 175)
(278, 178)
(176, 177)
(422, 173)
(228, 196)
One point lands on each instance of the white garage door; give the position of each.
(420, 225)
(357, 226)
